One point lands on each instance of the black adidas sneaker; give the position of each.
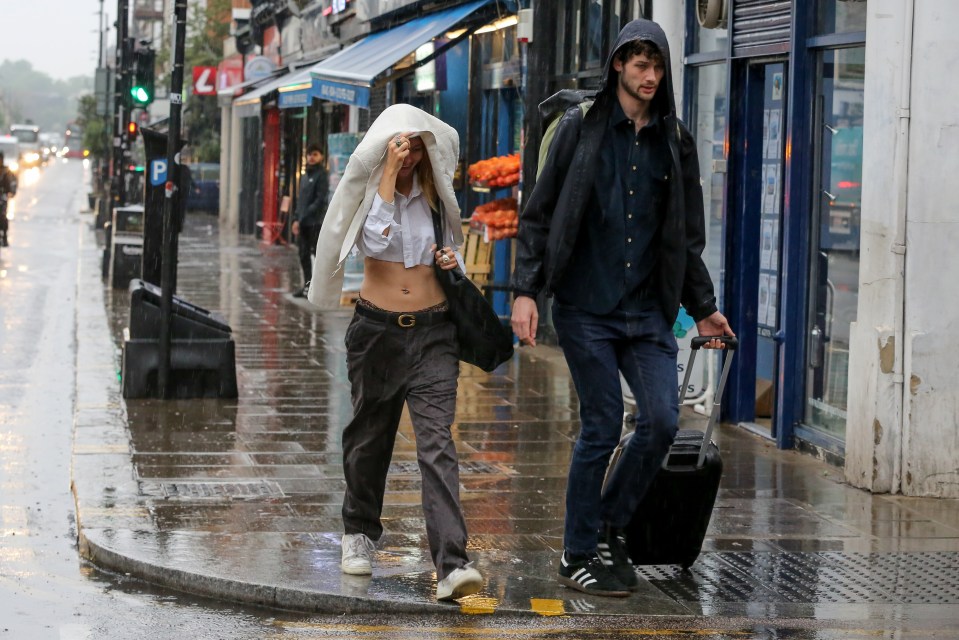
(590, 576)
(612, 551)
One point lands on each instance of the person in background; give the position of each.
(310, 210)
(8, 189)
(614, 230)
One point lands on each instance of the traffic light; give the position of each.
(141, 87)
(132, 130)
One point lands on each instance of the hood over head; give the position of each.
(649, 31)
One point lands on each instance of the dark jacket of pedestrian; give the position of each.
(551, 221)
(312, 199)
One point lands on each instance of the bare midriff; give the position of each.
(391, 286)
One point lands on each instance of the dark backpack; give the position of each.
(551, 111)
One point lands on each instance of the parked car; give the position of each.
(205, 187)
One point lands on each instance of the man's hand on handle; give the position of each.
(714, 325)
(525, 319)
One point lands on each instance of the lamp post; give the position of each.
(121, 113)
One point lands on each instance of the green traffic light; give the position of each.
(140, 95)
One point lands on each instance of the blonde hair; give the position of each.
(424, 172)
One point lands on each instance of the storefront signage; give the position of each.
(229, 72)
(263, 13)
(258, 67)
(300, 98)
(203, 81)
(343, 93)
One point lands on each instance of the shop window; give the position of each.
(709, 130)
(834, 263)
(841, 16)
(705, 40)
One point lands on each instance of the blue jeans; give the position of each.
(641, 345)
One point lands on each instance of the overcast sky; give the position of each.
(58, 37)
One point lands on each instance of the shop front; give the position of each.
(775, 99)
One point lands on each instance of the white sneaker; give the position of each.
(357, 554)
(462, 582)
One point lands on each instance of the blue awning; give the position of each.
(348, 76)
(295, 82)
(297, 91)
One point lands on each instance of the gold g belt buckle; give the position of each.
(406, 320)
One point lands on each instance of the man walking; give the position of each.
(8, 189)
(310, 209)
(614, 230)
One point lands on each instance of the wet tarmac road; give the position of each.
(47, 591)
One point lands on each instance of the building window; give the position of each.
(706, 40)
(709, 130)
(585, 30)
(841, 16)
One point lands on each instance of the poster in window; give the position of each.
(763, 311)
(771, 307)
(770, 180)
(774, 253)
(766, 133)
(774, 128)
(765, 254)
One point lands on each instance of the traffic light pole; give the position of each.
(121, 115)
(169, 251)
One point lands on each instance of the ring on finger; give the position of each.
(445, 259)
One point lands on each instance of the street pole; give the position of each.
(100, 26)
(169, 251)
(121, 115)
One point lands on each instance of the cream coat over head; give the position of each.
(353, 197)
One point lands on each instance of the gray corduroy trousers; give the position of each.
(389, 365)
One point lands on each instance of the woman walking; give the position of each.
(401, 344)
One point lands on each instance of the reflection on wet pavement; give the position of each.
(250, 490)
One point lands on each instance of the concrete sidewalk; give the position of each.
(240, 499)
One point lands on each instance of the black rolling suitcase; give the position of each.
(671, 521)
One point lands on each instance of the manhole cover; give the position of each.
(199, 490)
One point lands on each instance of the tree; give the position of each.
(96, 132)
(207, 28)
(34, 94)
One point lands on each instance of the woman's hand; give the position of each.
(445, 258)
(397, 149)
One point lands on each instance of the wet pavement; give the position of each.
(239, 499)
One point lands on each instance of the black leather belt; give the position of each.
(406, 320)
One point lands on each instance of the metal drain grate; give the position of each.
(466, 468)
(813, 578)
(221, 490)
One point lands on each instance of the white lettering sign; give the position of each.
(338, 93)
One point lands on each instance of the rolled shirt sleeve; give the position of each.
(373, 241)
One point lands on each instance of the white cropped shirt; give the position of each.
(410, 222)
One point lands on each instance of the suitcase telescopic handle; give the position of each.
(730, 341)
(697, 343)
